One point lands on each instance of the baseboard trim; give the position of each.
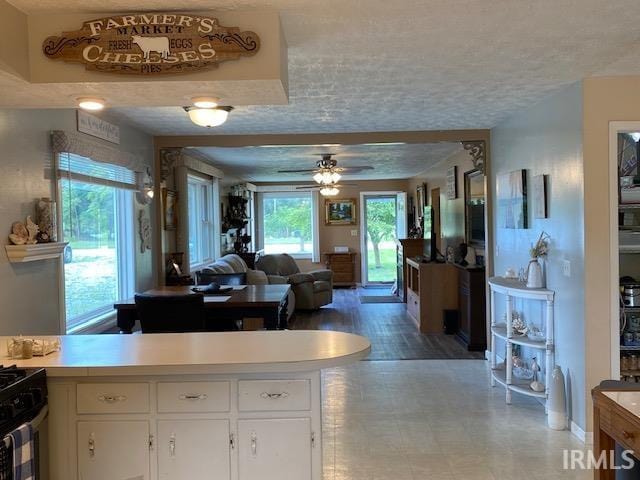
(580, 434)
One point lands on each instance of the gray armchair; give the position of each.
(312, 290)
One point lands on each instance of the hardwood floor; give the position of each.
(392, 333)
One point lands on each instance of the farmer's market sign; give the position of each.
(152, 43)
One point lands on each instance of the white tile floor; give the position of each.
(435, 420)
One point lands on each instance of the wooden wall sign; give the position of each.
(152, 43)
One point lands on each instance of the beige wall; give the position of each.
(29, 292)
(452, 214)
(605, 100)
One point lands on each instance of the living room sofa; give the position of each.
(312, 290)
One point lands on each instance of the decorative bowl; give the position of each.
(536, 336)
(522, 373)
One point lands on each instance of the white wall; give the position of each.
(547, 139)
(29, 292)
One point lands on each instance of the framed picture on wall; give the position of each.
(452, 183)
(170, 208)
(512, 200)
(340, 211)
(539, 192)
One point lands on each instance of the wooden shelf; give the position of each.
(629, 206)
(32, 253)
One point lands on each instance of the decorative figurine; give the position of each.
(32, 230)
(536, 386)
(19, 234)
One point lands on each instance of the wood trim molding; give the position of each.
(477, 151)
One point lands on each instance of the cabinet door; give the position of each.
(275, 449)
(197, 449)
(113, 450)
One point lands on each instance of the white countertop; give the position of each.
(198, 353)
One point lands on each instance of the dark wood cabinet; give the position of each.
(406, 248)
(472, 329)
(343, 266)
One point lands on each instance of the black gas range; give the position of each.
(23, 394)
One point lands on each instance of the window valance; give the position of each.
(80, 144)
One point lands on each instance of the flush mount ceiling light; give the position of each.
(91, 104)
(205, 102)
(208, 117)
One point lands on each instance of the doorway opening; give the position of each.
(383, 222)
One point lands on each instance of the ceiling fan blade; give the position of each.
(309, 187)
(307, 170)
(357, 168)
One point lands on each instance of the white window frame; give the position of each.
(270, 191)
(210, 223)
(125, 251)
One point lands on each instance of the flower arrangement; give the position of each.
(541, 248)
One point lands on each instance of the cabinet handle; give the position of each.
(193, 396)
(627, 435)
(112, 398)
(254, 444)
(172, 445)
(92, 446)
(274, 396)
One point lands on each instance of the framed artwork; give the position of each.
(170, 208)
(340, 211)
(539, 192)
(452, 183)
(512, 200)
(421, 199)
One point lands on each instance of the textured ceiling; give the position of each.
(376, 65)
(260, 164)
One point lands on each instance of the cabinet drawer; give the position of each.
(342, 267)
(188, 397)
(268, 395)
(112, 398)
(337, 259)
(342, 278)
(624, 432)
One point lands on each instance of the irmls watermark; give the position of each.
(605, 460)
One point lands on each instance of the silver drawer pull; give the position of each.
(274, 396)
(193, 396)
(112, 398)
(92, 446)
(172, 445)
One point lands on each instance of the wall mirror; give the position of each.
(474, 199)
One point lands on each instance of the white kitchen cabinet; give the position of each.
(113, 450)
(275, 449)
(198, 449)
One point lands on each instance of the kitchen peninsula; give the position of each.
(235, 405)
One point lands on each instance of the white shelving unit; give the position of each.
(503, 375)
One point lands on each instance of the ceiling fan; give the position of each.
(328, 163)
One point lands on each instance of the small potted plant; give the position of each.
(534, 271)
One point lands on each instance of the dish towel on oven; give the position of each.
(22, 443)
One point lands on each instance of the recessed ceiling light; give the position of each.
(92, 104)
(208, 117)
(205, 102)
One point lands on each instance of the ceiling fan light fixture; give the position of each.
(327, 177)
(329, 191)
(208, 117)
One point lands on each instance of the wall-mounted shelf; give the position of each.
(31, 253)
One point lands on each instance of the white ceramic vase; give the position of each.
(534, 274)
(557, 414)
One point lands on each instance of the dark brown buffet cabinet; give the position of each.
(472, 328)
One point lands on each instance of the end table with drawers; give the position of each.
(343, 266)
